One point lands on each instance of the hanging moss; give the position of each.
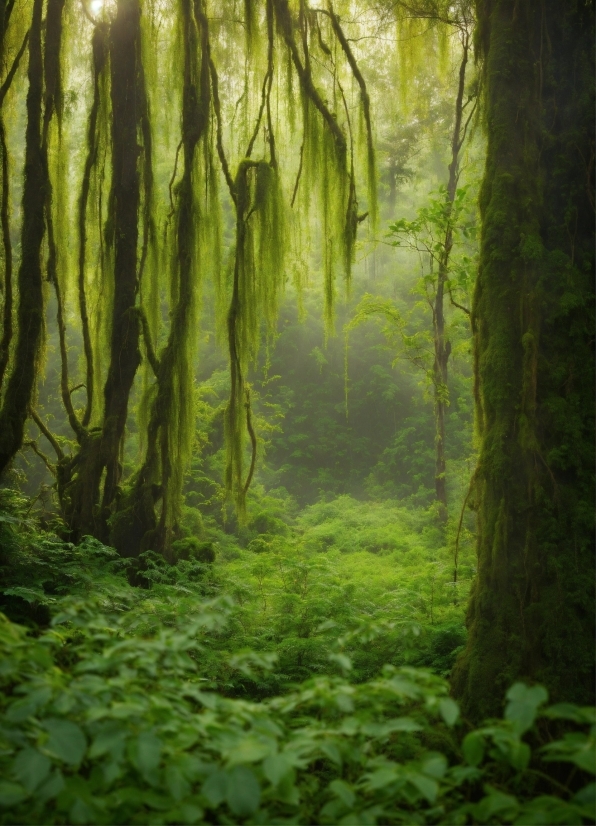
(257, 281)
(171, 422)
(122, 278)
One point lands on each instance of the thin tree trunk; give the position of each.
(441, 344)
(7, 285)
(19, 389)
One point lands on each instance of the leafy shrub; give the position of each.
(138, 705)
(99, 725)
(193, 548)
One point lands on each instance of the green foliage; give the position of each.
(364, 581)
(127, 704)
(101, 725)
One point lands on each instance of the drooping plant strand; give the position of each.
(257, 275)
(90, 478)
(171, 421)
(366, 112)
(257, 195)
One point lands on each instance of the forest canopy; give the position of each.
(296, 411)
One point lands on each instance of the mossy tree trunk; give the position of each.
(30, 310)
(125, 355)
(96, 469)
(137, 525)
(532, 607)
(7, 329)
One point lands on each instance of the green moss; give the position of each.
(30, 310)
(531, 610)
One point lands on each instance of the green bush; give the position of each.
(101, 725)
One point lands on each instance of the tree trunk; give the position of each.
(19, 389)
(137, 527)
(441, 344)
(532, 607)
(125, 356)
(87, 507)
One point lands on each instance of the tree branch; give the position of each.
(13, 69)
(47, 433)
(33, 445)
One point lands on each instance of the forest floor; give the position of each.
(297, 678)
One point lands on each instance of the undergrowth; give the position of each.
(222, 692)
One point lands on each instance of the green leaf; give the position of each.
(275, 767)
(31, 595)
(585, 757)
(473, 748)
(215, 787)
(27, 706)
(110, 739)
(495, 803)
(66, 740)
(343, 661)
(31, 768)
(81, 812)
(286, 791)
(11, 794)
(344, 792)
(381, 778)
(157, 801)
(51, 788)
(177, 784)
(383, 729)
(332, 752)
(243, 791)
(148, 751)
(248, 750)
(435, 766)
(519, 756)
(569, 711)
(449, 710)
(187, 813)
(427, 787)
(523, 705)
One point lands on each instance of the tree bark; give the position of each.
(125, 356)
(137, 527)
(442, 345)
(532, 606)
(96, 469)
(20, 385)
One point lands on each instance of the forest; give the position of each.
(297, 412)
